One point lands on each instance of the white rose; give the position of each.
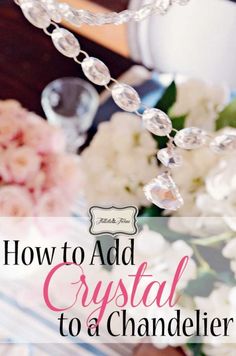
(229, 252)
(164, 257)
(201, 102)
(219, 304)
(119, 162)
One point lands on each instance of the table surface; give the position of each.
(110, 36)
(29, 61)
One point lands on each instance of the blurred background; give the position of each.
(192, 44)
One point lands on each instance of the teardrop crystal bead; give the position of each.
(169, 157)
(96, 71)
(36, 14)
(163, 192)
(190, 138)
(157, 122)
(126, 97)
(223, 143)
(65, 42)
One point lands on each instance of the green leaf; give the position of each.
(151, 211)
(226, 277)
(196, 348)
(168, 98)
(227, 117)
(178, 122)
(161, 141)
(202, 286)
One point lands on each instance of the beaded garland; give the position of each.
(62, 11)
(162, 190)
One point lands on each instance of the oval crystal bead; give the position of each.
(190, 138)
(169, 157)
(163, 192)
(65, 42)
(126, 97)
(36, 14)
(96, 71)
(157, 122)
(223, 143)
(54, 13)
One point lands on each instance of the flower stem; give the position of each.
(212, 240)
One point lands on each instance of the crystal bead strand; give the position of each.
(162, 190)
(78, 17)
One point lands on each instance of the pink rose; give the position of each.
(3, 169)
(64, 172)
(22, 163)
(15, 201)
(52, 203)
(11, 107)
(43, 137)
(36, 184)
(9, 129)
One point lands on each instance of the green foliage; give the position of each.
(203, 285)
(168, 98)
(226, 277)
(160, 225)
(196, 348)
(227, 117)
(178, 122)
(151, 211)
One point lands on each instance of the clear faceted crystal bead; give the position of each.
(53, 9)
(87, 17)
(69, 14)
(143, 12)
(181, 2)
(36, 14)
(157, 122)
(54, 14)
(162, 6)
(223, 143)
(190, 138)
(163, 192)
(65, 42)
(112, 17)
(125, 16)
(126, 97)
(96, 71)
(169, 157)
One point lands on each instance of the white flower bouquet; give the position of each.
(119, 162)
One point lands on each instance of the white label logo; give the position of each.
(113, 221)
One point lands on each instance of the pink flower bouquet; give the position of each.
(37, 176)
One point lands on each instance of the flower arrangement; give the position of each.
(205, 287)
(37, 176)
(117, 165)
(119, 162)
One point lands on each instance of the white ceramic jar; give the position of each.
(195, 40)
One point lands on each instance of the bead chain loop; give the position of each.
(52, 24)
(85, 56)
